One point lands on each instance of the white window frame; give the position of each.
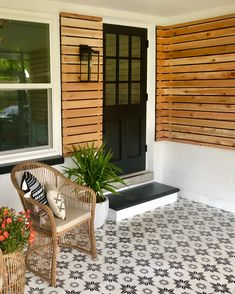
(54, 122)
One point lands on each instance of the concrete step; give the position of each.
(140, 199)
(134, 179)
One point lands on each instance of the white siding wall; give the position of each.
(203, 174)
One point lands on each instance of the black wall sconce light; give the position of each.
(89, 64)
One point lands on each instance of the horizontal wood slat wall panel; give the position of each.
(195, 95)
(81, 101)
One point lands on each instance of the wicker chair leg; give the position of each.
(27, 257)
(35, 264)
(92, 239)
(54, 262)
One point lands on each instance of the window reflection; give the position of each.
(110, 45)
(123, 70)
(123, 45)
(24, 52)
(136, 46)
(123, 93)
(135, 93)
(110, 97)
(23, 119)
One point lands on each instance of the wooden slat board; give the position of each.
(81, 101)
(39, 72)
(195, 94)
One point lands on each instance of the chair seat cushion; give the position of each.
(74, 216)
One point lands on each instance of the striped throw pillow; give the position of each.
(30, 184)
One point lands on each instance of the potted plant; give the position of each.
(93, 168)
(15, 234)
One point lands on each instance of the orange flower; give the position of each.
(32, 236)
(3, 226)
(20, 219)
(6, 235)
(8, 220)
(2, 238)
(5, 212)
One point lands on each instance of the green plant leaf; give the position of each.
(93, 168)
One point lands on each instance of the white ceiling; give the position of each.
(160, 8)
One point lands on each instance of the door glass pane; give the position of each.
(110, 96)
(23, 119)
(123, 93)
(110, 70)
(24, 57)
(123, 70)
(135, 93)
(110, 45)
(135, 70)
(136, 46)
(123, 46)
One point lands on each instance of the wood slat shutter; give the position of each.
(81, 101)
(195, 95)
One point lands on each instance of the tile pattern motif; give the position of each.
(183, 248)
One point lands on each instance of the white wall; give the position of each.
(203, 174)
(208, 13)
(8, 195)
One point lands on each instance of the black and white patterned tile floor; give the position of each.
(183, 248)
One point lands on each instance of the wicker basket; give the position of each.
(13, 273)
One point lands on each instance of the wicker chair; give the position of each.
(76, 231)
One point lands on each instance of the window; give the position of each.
(27, 96)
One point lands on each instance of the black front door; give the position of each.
(124, 112)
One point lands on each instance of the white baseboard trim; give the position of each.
(140, 208)
(212, 201)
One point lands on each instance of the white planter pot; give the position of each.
(101, 213)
